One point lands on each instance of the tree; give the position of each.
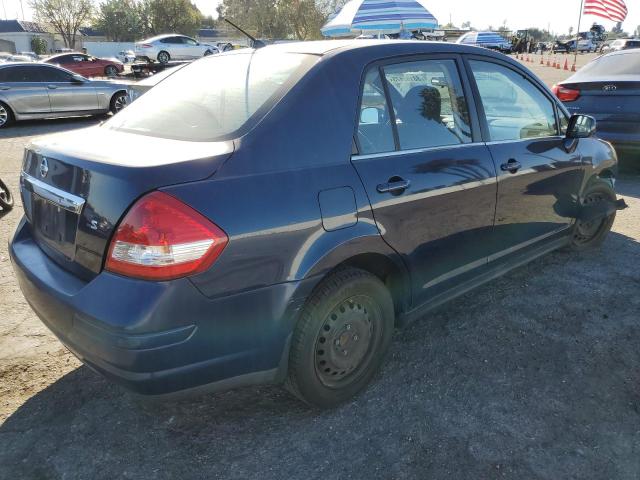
(120, 20)
(168, 16)
(38, 45)
(467, 25)
(64, 16)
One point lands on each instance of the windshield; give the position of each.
(625, 64)
(213, 97)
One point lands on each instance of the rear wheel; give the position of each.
(207, 53)
(118, 102)
(6, 116)
(341, 338)
(591, 233)
(164, 57)
(110, 71)
(6, 199)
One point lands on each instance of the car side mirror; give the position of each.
(581, 126)
(369, 115)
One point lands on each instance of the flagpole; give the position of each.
(575, 57)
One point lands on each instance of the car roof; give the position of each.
(159, 37)
(379, 47)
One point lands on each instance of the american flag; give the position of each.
(615, 10)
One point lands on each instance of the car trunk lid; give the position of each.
(76, 186)
(614, 104)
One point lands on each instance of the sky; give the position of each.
(558, 15)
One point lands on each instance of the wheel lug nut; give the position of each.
(337, 342)
(348, 326)
(345, 353)
(355, 338)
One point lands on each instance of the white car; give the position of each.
(173, 47)
(126, 56)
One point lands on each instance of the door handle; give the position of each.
(512, 166)
(394, 185)
(52, 87)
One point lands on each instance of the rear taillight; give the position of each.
(565, 94)
(161, 238)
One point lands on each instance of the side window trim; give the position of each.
(480, 107)
(392, 113)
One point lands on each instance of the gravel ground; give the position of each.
(534, 376)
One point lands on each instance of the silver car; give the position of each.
(173, 47)
(38, 90)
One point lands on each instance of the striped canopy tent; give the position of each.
(483, 39)
(379, 16)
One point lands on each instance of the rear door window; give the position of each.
(22, 74)
(428, 103)
(514, 107)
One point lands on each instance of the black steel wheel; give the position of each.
(591, 233)
(340, 339)
(6, 199)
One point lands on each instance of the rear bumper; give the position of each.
(160, 337)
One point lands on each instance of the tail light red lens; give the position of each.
(161, 238)
(565, 94)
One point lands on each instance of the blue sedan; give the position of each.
(277, 222)
(608, 89)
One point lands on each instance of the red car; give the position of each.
(86, 65)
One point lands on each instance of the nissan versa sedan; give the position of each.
(608, 88)
(35, 90)
(276, 223)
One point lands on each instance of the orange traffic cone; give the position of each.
(548, 62)
(566, 64)
(558, 65)
(541, 59)
(573, 67)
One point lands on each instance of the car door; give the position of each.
(21, 88)
(538, 179)
(176, 47)
(430, 179)
(67, 94)
(191, 48)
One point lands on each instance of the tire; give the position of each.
(6, 199)
(340, 339)
(6, 115)
(110, 71)
(207, 53)
(119, 101)
(164, 57)
(590, 235)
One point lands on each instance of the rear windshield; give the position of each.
(625, 64)
(213, 97)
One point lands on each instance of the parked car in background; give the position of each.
(38, 90)
(621, 44)
(490, 40)
(87, 65)
(63, 50)
(608, 89)
(33, 55)
(137, 89)
(126, 56)
(20, 58)
(168, 255)
(4, 56)
(173, 47)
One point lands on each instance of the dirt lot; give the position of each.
(534, 376)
